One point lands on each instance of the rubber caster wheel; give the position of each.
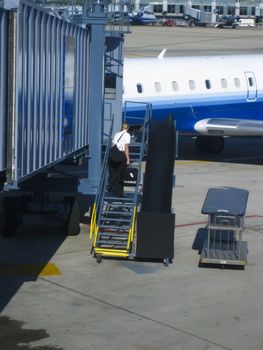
(166, 262)
(99, 259)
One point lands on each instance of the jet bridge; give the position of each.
(52, 112)
(3, 85)
(196, 16)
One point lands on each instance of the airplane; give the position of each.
(210, 96)
(142, 17)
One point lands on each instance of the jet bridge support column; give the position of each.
(96, 21)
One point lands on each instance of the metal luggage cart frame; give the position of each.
(225, 207)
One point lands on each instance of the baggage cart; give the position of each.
(225, 207)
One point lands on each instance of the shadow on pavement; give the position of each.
(243, 150)
(24, 257)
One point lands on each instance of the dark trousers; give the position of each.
(116, 176)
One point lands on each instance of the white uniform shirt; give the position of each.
(123, 140)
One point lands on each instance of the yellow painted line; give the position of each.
(49, 269)
(189, 162)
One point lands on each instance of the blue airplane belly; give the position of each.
(186, 117)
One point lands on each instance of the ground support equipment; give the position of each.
(113, 219)
(225, 207)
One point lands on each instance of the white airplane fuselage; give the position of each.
(208, 95)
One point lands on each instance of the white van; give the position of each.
(246, 22)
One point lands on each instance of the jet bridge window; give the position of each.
(175, 85)
(207, 8)
(224, 83)
(220, 10)
(237, 82)
(231, 10)
(139, 88)
(171, 8)
(191, 85)
(243, 11)
(158, 8)
(181, 9)
(157, 86)
(110, 86)
(68, 92)
(208, 84)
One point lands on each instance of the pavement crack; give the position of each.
(137, 314)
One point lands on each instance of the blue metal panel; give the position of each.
(3, 85)
(52, 90)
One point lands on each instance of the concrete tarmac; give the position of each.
(55, 296)
(180, 41)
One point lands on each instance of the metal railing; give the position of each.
(145, 137)
(97, 206)
(99, 200)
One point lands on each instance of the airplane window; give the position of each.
(157, 86)
(237, 82)
(251, 81)
(175, 85)
(139, 88)
(191, 84)
(208, 84)
(224, 83)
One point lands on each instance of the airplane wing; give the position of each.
(229, 127)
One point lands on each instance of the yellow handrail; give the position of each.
(95, 236)
(93, 221)
(131, 230)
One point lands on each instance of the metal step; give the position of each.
(119, 213)
(134, 155)
(128, 196)
(119, 217)
(105, 219)
(114, 235)
(117, 251)
(108, 202)
(111, 243)
(135, 147)
(113, 226)
(124, 228)
(109, 235)
(119, 204)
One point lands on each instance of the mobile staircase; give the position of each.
(113, 219)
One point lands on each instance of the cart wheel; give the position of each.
(8, 217)
(166, 261)
(98, 259)
(71, 226)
